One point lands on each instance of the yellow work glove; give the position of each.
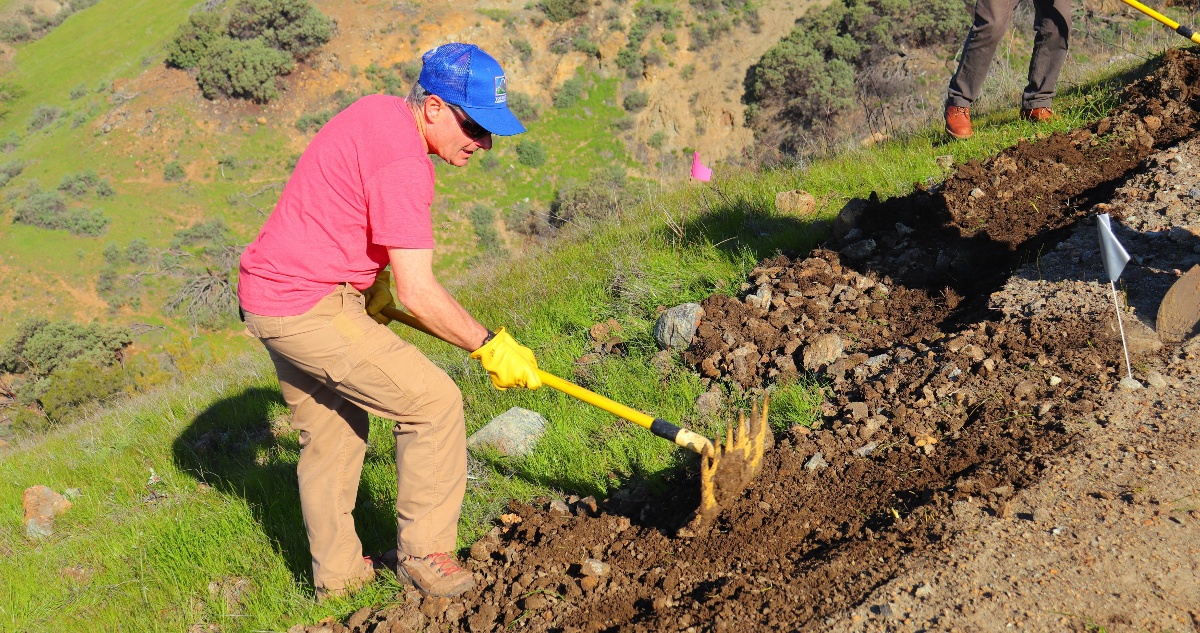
(379, 296)
(508, 363)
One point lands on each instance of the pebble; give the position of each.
(1055, 381)
(923, 590)
(1194, 194)
(1155, 379)
(816, 462)
(558, 506)
(977, 193)
(594, 568)
(866, 449)
(1129, 384)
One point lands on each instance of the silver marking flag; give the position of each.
(1115, 256)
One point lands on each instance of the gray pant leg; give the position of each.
(1052, 28)
(992, 18)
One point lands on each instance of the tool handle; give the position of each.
(658, 426)
(1172, 24)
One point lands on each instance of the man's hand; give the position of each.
(379, 296)
(508, 363)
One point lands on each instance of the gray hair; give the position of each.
(417, 95)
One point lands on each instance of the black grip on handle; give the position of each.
(1184, 31)
(664, 429)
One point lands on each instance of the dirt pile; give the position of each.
(949, 393)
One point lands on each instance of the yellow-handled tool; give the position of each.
(725, 470)
(1172, 24)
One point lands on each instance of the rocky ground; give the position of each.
(979, 466)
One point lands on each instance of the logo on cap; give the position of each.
(501, 89)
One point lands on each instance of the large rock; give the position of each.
(676, 327)
(513, 433)
(796, 203)
(41, 506)
(849, 216)
(822, 351)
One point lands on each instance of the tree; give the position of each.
(293, 26)
(242, 68)
(192, 40)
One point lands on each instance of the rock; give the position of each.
(455, 611)
(861, 249)
(977, 193)
(1041, 515)
(1156, 380)
(296, 628)
(1140, 337)
(434, 606)
(904, 230)
(857, 410)
(1129, 384)
(536, 602)
(761, 298)
(922, 590)
(885, 610)
(797, 203)
(709, 403)
(587, 506)
(601, 332)
(262, 120)
(676, 327)
(866, 449)
(513, 433)
(359, 618)
(595, 568)
(849, 216)
(822, 351)
(1055, 381)
(816, 462)
(41, 506)
(558, 506)
(945, 161)
(482, 551)
(588, 583)
(1194, 194)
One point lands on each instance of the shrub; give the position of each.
(79, 92)
(41, 346)
(531, 154)
(635, 101)
(488, 161)
(656, 140)
(569, 93)
(81, 183)
(173, 172)
(523, 106)
(10, 170)
(79, 383)
(293, 26)
(15, 31)
(47, 210)
(313, 122)
(597, 198)
(113, 253)
(242, 68)
(212, 232)
(524, 49)
(10, 142)
(43, 116)
(138, 251)
(563, 10)
(483, 220)
(192, 40)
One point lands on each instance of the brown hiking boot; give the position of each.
(437, 574)
(1037, 115)
(958, 122)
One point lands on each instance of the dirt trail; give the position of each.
(976, 384)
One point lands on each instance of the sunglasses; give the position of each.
(473, 130)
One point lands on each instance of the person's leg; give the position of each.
(1052, 28)
(992, 18)
(333, 441)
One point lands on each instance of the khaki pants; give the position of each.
(1052, 28)
(335, 365)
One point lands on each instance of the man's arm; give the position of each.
(419, 291)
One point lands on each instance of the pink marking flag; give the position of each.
(699, 171)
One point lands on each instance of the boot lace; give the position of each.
(443, 563)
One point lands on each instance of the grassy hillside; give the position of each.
(187, 511)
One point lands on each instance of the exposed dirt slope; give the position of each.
(962, 386)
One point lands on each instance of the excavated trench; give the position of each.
(932, 398)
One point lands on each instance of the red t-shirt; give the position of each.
(363, 185)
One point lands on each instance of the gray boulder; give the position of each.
(676, 327)
(513, 433)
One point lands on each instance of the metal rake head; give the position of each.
(729, 467)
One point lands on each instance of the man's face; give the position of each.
(453, 136)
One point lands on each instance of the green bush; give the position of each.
(15, 31)
(657, 139)
(10, 170)
(635, 101)
(211, 232)
(245, 69)
(78, 92)
(173, 172)
(569, 93)
(10, 142)
(113, 253)
(293, 26)
(483, 221)
(563, 10)
(531, 154)
(596, 199)
(43, 116)
(313, 122)
(40, 346)
(523, 106)
(86, 181)
(524, 49)
(79, 383)
(138, 251)
(192, 40)
(47, 210)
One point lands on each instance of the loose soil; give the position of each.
(978, 467)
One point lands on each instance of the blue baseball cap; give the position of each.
(464, 75)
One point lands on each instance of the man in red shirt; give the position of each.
(312, 286)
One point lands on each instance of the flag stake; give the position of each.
(1121, 326)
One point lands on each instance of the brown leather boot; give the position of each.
(437, 574)
(1037, 115)
(958, 122)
